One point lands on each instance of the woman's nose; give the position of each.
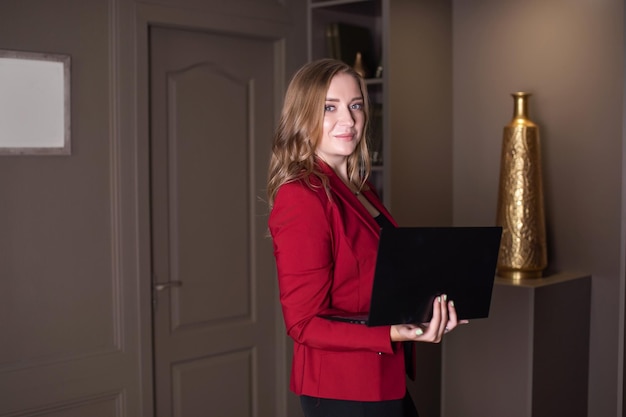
(346, 116)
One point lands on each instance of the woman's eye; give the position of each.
(357, 106)
(329, 107)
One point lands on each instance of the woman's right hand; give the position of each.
(444, 320)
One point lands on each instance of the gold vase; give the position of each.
(523, 252)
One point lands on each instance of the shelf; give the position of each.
(374, 81)
(360, 7)
(342, 28)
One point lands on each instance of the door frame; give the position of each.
(270, 21)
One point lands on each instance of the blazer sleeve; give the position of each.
(300, 225)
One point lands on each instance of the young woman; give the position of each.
(325, 223)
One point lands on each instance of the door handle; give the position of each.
(161, 286)
(166, 285)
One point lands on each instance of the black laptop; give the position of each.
(417, 264)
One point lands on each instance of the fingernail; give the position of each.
(445, 297)
(451, 303)
(419, 332)
(438, 299)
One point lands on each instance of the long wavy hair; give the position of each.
(300, 129)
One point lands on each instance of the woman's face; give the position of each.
(344, 118)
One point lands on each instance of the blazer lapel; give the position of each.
(352, 203)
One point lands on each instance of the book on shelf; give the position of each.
(345, 40)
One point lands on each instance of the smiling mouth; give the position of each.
(345, 136)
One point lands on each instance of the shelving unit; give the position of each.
(343, 17)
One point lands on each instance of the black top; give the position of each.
(383, 221)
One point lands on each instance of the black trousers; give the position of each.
(323, 407)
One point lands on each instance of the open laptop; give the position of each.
(417, 264)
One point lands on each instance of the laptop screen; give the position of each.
(416, 264)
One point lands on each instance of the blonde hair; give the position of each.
(300, 128)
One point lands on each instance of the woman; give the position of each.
(325, 223)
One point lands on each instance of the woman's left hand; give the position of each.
(444, 320)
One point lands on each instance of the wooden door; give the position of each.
(215, 321)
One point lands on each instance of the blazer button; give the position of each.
(380, 353)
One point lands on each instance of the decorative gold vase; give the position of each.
(523, 252)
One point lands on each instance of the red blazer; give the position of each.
(325, 253)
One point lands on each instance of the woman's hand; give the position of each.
(444, 320)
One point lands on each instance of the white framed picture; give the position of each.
(34, 103)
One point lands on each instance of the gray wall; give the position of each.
(74, 231)
(420, 101)
(420, 110)
(570, 55)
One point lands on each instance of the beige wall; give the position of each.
(570, 55)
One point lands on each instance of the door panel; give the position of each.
(208, 143)
(212, 100)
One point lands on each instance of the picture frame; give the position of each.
(35, 108)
